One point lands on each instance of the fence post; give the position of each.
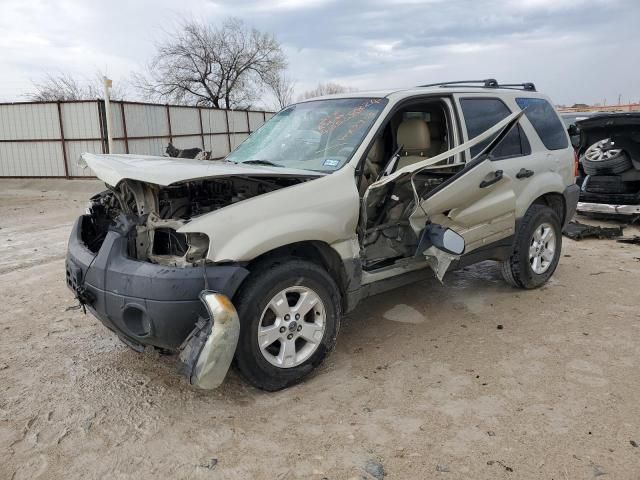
(64, 147)
(201, 129)
(248, 123)
(124, 128)
(169, 123)
(101, 123)
(226, 116)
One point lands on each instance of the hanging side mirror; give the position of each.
(443, 238)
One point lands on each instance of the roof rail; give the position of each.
(486, 83)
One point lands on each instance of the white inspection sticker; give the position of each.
(331, 162)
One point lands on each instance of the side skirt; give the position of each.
(497, 251)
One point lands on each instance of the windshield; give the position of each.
(319, 135)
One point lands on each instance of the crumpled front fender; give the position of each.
(207, 352)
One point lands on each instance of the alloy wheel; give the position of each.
(291, 327)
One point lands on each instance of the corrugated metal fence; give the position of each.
(45, 139)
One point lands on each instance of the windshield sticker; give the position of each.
(331, 162)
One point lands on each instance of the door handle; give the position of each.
(524, 173)
(497, 176)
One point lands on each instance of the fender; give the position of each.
(324, 209)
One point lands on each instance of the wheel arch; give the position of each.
(556, 202)
(545, 188)
(314, 251)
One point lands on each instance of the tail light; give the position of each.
(576, 164)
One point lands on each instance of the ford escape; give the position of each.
(254, 259)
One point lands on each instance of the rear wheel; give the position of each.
(537, 249)
(289, 319)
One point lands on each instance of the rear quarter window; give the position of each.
(480, 114)
(545, 121)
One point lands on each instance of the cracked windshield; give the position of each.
(320, 135)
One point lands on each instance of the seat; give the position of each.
(414, 136)
(373, 165)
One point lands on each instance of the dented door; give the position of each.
(478, 203)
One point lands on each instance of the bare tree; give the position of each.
(328, 88)
(282, 88)
(64, 86)
(223, 67)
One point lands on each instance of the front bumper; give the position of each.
(144, 303)
(608, 209)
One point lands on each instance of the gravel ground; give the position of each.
(472, 379)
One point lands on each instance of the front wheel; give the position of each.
(536, 250)
(289, 319)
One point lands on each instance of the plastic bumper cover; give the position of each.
(608, 209)
(144, 303)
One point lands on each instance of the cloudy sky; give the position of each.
(574, 50)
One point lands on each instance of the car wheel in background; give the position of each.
(602, 158)
(610, 184)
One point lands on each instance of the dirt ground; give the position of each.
(424, 383)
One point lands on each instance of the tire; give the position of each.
(601, 159)
(254, 304)
(610, 184)
(518, 269)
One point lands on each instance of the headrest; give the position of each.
(414, 134)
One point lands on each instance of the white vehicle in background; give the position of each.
(257, 257)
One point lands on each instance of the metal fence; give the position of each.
(45, 139)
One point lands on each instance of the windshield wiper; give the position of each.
(263, 162)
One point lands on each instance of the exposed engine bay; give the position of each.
(158, 212)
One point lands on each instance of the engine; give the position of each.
(157, 214)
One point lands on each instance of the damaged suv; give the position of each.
(256, 258)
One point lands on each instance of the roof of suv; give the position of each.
(399, 94)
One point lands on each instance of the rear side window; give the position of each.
(480, 114)
(545, 121)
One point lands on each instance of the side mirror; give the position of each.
(451, 242)
(442, 238)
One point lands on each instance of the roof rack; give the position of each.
(486, 83)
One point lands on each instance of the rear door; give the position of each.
(484, 215)
(479, 204)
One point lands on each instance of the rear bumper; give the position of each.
(571, 195)
(144, 303)
(605, 208)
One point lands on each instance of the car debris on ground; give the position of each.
(635, 240)
(577, 231)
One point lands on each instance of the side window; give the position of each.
(545, 121)
(480, 114)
